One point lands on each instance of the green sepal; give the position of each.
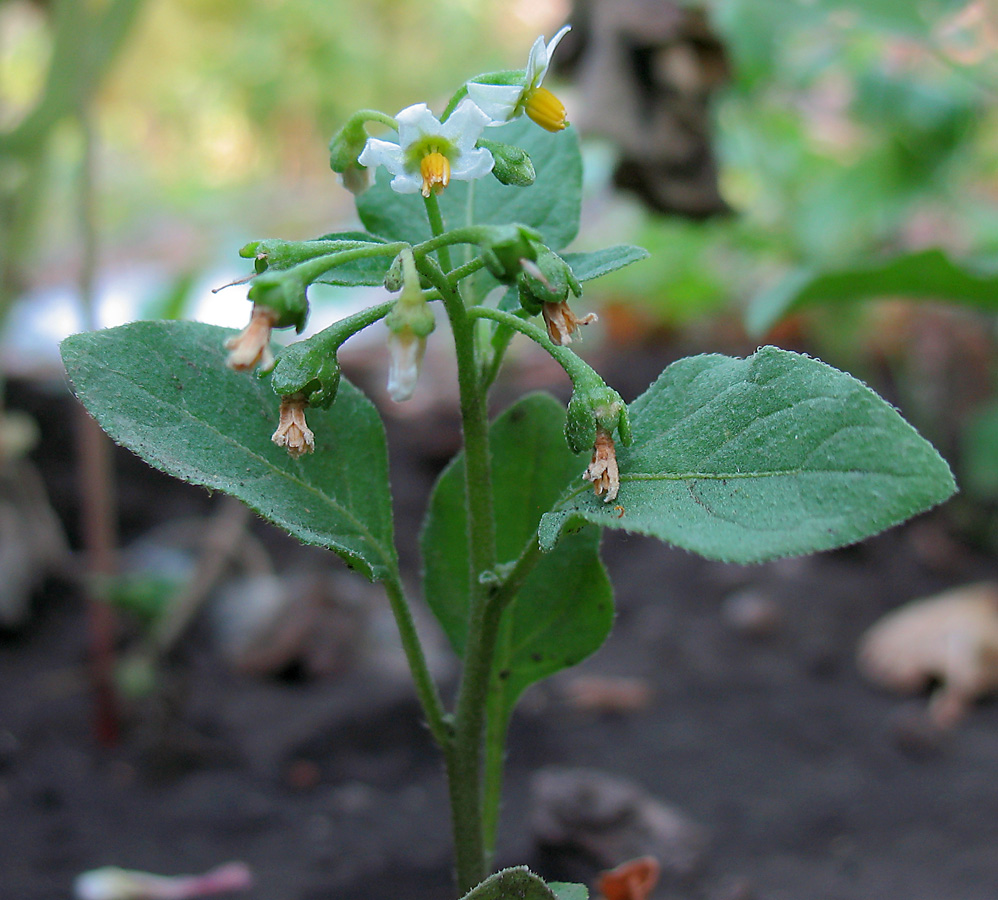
(284, 295)
(310, 367)
(505, 248)
(595, 406)
(512, 165)
(416, 318)
(557, 279)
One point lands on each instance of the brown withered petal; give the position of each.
(251, 347)
(292, 431)
(602, 471)
(562, 323)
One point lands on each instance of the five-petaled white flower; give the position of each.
(430, 153)
(502, 102)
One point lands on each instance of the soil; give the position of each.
(810, 782)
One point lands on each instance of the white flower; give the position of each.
(430, 153)
(502, 102)
(405, 350)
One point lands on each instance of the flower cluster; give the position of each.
(427, 153)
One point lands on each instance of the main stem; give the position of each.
(464, 752)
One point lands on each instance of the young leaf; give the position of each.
(162, 389)
(519, 883)
(746, 460)
(924, 275)
(551, 204)
(564, 610)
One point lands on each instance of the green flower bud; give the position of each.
(346, 145)
(284, 296)
(506, 248)
(512, 164)
(395, 277)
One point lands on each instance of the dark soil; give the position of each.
(811, 783)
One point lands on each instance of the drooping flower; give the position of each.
(502, 102)
(405, 350)
(602, 471)
(251, 347)
(430, 153)
(562, 323)
(293, 432)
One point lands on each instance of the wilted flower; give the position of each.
(602, 471)
(502, 102)
(292, 430)
(430, 153)
(562, 323)
(251, 347)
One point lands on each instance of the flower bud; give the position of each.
(513, 165)
(346, 145)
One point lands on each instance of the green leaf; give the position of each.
(162, 389)
(564, 609)
(925, 275)
(597, 263)
(518, 883)
(551, 204)
(565, 890)
(746, 460)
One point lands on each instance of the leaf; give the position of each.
(564, 610)
(597, 263)
(162, 390)
(925, 275)
(551, 204)
(518, 883)
(565, 890)
(746, 460)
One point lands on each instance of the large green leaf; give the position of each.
(551, 204)
(162, 390)
(925, 275)
(746, 460)
(564, 610)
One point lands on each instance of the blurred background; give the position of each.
(819, 175)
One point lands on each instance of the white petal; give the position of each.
(407, 182)
(537, 62)
(497, 101)
(537, 68)
(415, 122)
(382, 153)
(472, 164)
(465, 125)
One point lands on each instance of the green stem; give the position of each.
(437, 227)
(311, 269)
(575, 367)
(498, 720)
(464, 754)
(426, 688)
